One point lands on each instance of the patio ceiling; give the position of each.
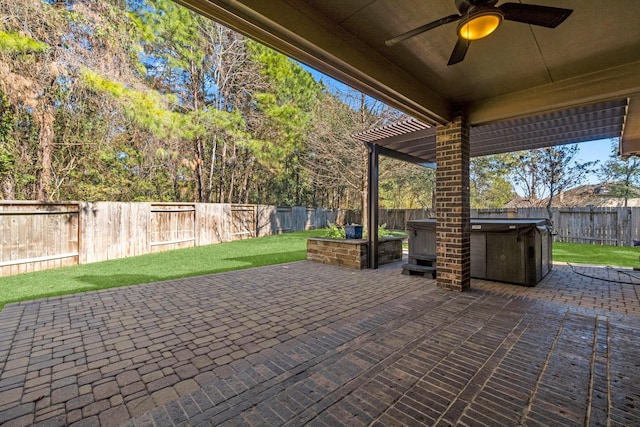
(521, 74)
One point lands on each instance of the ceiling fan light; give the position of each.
(479, 25)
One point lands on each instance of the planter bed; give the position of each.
(352, 253)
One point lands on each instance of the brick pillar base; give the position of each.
(453, 212)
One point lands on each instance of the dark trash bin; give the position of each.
(353, 231)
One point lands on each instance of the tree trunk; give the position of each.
(364, 213)
(45, 151)
(212, 166)
(198, 171)
(245, 185)
(8, 188)
(223, 162)
(232, 178)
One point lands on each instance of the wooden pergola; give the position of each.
(415, 142)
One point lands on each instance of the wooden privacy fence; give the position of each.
(601, 226)
(38, 236)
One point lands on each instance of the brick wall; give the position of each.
(452, 205)
(352, 253)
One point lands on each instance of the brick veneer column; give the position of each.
(452, 205)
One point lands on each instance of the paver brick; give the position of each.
(64, 394)
(313, 345)
(127, 377)
(16, 412)
(95, 408)
(105, 390)
(79, 402)
(115, 367)
(186, 387)
(114, 416)
(161, 383)
(140, 405)
(164, 395)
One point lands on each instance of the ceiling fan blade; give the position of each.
(543, 16)
(422, 29)
(459, 51)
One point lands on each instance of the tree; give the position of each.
(282, 125)
(203, 64)
(623, 175)
(56, 126)
(29, 75)
(560, 171)
(147, 100)
(334, 161)
(337, 163)
(490, 187)
(547, 172)
(406, 185)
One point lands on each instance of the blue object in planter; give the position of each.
(353, 231)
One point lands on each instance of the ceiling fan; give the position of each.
(479, 18)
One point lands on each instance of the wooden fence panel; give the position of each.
(213, 223)
(331, 216)
(112, 230)
(244, 222)
(600, 226)
(396, 219)
(37, 236)
(625, 234)
(172, 226)
(59, 234)
(634, 224)
(284, 219)
(306, 218)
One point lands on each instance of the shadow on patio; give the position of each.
(309, 343)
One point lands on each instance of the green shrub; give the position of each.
(334, 232)
(383, 231)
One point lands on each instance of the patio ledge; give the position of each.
(352, 253)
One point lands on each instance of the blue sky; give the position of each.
(594, 150)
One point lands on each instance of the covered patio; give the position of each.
(312, 344)
(307, 343)
(521, 74)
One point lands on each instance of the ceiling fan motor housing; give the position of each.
(479, 22)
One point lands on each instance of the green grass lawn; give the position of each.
(575, 253)
(189, 262)
(225, 257)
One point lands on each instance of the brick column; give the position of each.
(453, 232)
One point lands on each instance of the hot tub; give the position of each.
(505, 250)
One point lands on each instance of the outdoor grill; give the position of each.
(505, 250)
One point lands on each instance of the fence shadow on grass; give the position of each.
(98, 281)
(270, 258)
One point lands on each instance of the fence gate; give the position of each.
(243, 221)
(37, 236)
(172, 226)
(285, 219)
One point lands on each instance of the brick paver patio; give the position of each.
(307, 343)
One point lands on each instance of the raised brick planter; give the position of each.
(352, 253)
